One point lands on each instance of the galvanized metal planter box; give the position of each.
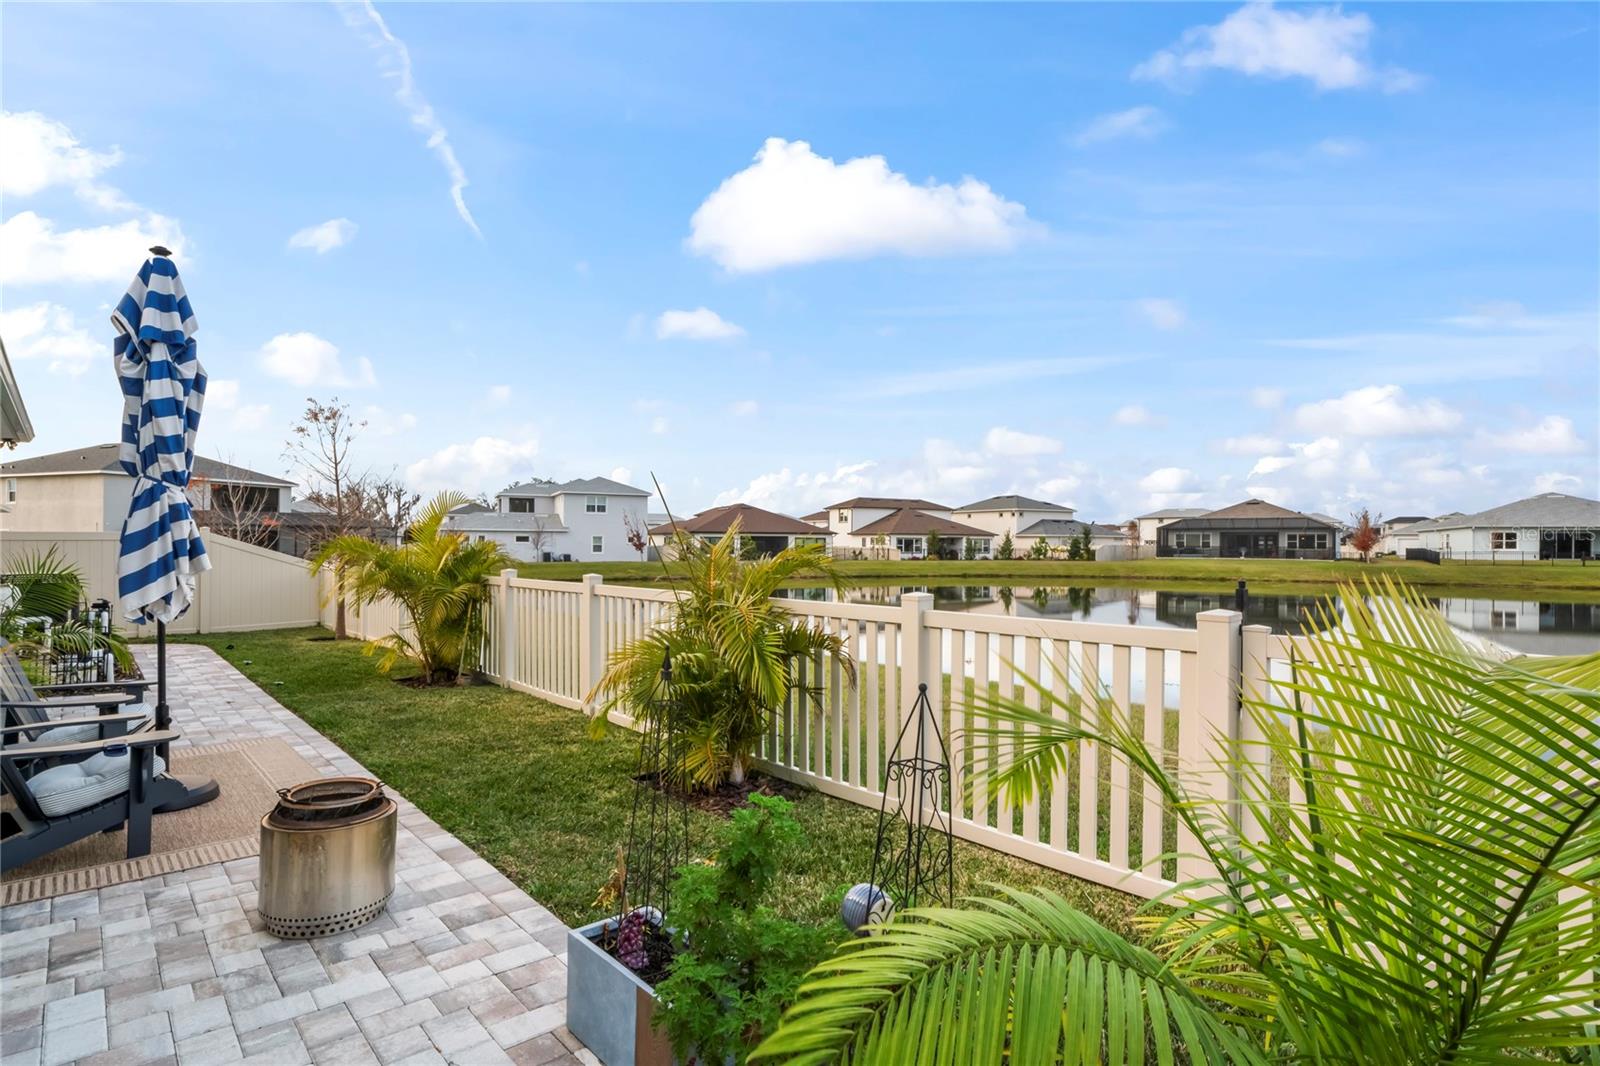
(608, 1007)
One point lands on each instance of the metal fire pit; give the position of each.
(327, 857)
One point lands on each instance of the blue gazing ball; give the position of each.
(865, 907)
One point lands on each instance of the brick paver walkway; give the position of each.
(463, 967)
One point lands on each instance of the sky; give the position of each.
(1117, 257)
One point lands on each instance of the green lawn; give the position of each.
(1264, 575)
(520, 782)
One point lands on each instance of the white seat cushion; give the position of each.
(74, 786)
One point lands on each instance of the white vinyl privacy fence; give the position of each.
(1098, 821)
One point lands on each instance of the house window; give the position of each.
(521, 505)
(844, 516)
(11, 490)
(1503, 619)
(1192, 540)
(522, 538)
(908, 545)
(806, 542)
(597, 544)
(1503, 540)
(594, 505)
(1306, 541)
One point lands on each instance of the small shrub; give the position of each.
(742, 963)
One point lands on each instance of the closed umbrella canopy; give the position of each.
(163, 389)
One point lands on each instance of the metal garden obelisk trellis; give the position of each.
(658, 828)
(913, 860)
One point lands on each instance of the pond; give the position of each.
(1518, 625)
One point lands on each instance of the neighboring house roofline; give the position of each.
(888, 503)
(1013, 502)
(590, 486)
(754, 521)
(103, 459)
(15, 425)
(1545, 509)
(910, 522)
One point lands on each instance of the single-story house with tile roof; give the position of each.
(1058, 535)
(1011, 514)
(906, 532)
(1149, 523)
(85, 490)
(590, 519)
(1551, 525)
(848, 520)
(1253, 529)
(768, 531)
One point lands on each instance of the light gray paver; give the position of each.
(463, 968)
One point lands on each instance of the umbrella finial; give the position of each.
(160, 249)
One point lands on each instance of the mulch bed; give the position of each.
(728, 798)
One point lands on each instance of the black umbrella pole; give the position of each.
(163, 713)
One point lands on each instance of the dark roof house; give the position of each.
(1250, 529)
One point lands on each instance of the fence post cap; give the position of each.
(593, 579)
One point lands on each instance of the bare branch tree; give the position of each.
(320, 446)
(245, 513)
(638, 537)
(391, 505)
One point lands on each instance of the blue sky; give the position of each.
(1119, 257)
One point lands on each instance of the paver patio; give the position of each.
(463, 967)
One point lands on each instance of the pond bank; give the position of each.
(1565, 581)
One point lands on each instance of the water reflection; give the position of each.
(1517, 625)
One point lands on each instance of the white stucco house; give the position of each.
(768, 531)
(1399, 533)
(1011, 514)
(1149, 523)
(586, 520)
(84, 490)
(1551, 525)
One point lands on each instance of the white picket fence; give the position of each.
(552, 639)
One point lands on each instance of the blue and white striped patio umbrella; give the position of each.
(163, 388)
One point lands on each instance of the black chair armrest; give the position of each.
(147, 739)
(107, 699)
(99, 720)
(70, 688)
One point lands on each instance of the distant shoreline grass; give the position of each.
(1562, 581)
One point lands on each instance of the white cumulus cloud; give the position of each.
(478, 465)
(1551, 435)
(1163, 313)
(701, 324)
(324, 237)
(793, 206)
(40, 153)
(1169, 479)
(1377, 411)
(49, 333)
(1555, 481)
(308, 361)
(1141, 122)
(1016, 444)
(1324, 45)
(33, 251)
(1135, 414)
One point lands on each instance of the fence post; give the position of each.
(1207, 745)
(590, 645)
(505, 629)
(918, 664)
(1256, 684)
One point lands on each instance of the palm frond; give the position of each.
(1023, 978)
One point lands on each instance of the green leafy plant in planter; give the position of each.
(37, 585)
(742, 963)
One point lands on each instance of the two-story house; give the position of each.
(586, 520)
(889, 527)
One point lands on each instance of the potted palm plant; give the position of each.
(439, 577)
(735, 654)
(1425, 893)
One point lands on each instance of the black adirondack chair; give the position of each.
(93, 787)
(28, 707)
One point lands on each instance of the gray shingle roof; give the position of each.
(1176, 512)
(1550, 509)
(102, 459)
(599, 486)
(1064, 527)
(1013, 502)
